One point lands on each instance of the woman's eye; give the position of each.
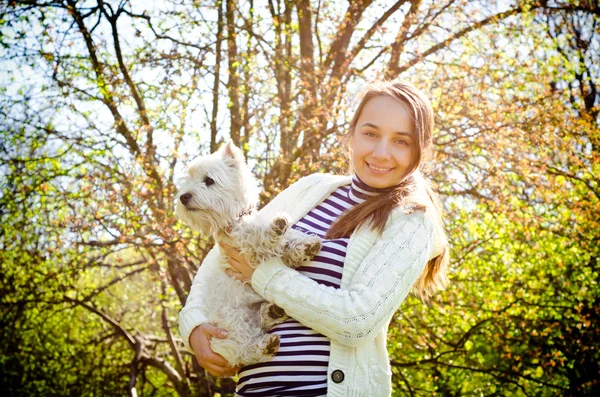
(402, 142)
(369, 133)
(209, 181)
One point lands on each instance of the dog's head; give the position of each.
(216, 189)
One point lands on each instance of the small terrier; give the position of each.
(218, 195)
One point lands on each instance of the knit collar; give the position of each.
(359, 191)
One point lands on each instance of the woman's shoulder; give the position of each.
(321, 177)
(410, 212)
(420, 200)
(419, 208)
(420, 213)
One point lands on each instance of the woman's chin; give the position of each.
(377, 181)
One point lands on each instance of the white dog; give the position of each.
(218, 195)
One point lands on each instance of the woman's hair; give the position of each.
(414, 191)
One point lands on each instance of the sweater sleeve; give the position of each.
(382, 282)
(193, 313)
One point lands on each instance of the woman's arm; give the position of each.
(192, 314)
(382, 282)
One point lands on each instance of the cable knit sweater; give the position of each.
(379, 272)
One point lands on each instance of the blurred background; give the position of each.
(103, 103)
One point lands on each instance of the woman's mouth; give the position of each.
(379, 170)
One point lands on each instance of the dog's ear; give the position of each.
(232, 152)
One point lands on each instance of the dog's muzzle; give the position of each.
(186, 199)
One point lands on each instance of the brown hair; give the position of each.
(414, 191)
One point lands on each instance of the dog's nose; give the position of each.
(185, 198)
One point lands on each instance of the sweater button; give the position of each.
(337, 376)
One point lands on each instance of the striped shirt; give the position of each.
(300, 366)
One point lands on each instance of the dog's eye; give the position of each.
(209, 181)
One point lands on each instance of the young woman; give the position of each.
(382, 236)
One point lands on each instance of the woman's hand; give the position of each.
(212, 362)
(237, 261)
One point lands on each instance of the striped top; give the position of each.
(300, 366)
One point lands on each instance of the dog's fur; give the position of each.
(218, 195)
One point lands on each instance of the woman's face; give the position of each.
(382, 142)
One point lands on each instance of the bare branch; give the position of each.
(394, 69)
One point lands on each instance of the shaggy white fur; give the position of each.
(218, 195)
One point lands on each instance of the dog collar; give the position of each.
(245, 212)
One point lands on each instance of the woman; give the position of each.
(382, 234)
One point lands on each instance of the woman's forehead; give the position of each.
(386, 113)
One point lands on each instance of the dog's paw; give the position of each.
(275, 312)
(271, 344)
(312, 249)
(271, 315)
(279, 225)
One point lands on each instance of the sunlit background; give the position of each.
(103, 104)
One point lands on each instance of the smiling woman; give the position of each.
(382, 235)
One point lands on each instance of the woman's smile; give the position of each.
(379, 170)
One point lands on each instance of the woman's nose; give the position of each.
(381, 150)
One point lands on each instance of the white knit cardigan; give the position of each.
(379, 272)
